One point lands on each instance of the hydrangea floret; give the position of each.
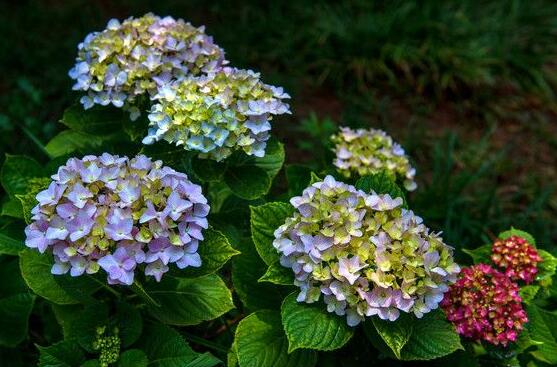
(214, 115)
(362, 152)
(116, 213)
(484, 304)
(516, 257)
(133, 58)
(364, 253)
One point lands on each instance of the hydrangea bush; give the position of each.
(364, 253)
(217, 114)
(133, 58)
(362, 152)
(263, 265)
(116, 213)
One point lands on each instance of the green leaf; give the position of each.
(208, 170)
(381, 183)
(80, 323)
(312, 327)
(96, 121)
(517, 232)
(411, 339)
(12, 208)
(10, 245)
(546, 268)
(35, 269)
(278, 274)
(28, 200)
(248, 182)
(314, 178)
(261, 342)
(480, 254)
(273, 159)
(61, 354)
(130, 323)
(246, 270)
(542, 327)
(190, 301)
(264, 220)
(16, 172)
(232, 356)
(174, 156)
(166, 348)
(298, 178)
(71, 141)
(14, 318)
(528, 292)
(395, 333)
(133, 358)
(215, 251)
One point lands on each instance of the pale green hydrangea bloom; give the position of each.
(364, 253)
(131, 59)
(217, 114)
(362, 152)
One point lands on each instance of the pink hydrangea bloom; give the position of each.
(516, 258)
(484, 305)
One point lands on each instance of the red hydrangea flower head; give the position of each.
(516, 258)
(484, 305)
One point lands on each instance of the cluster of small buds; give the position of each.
(484, 304)
(216, 114)
(372, 151)
(517, 258)
(364, 253)
(108, 347)
(115, 213)
(133, 58)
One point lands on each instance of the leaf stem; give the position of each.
(35, 140)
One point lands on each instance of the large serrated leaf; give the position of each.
(14, 318)
(264, 220)
(246, 271)
(61, 354)
(278, 274)
(16, 173)
(260, 342)
(480, 254)
(542, 328)
(165, 347)
(96, 121)
(248, 182)
(312, 327)
(415, 339)
(35, 269)
(215, 251)
(190, 301)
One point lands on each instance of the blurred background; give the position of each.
(467, 87)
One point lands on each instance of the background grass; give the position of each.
(468, 88)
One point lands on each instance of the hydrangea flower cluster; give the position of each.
(216, 114)
(115, 213)
(135, 57)
(364, 253)
(365, 152)
(484, 304)
(516, 257)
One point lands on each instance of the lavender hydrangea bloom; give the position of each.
(363, 152)
(132, 58)
(116, 213)
(364, 253)
(216, 114)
